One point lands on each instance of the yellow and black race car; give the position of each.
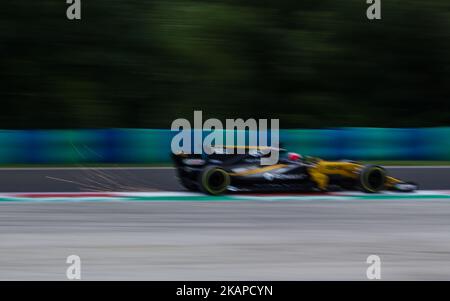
(225, 170)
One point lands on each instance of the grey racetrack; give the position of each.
(148, 179)
(251, 240)
(226, 241)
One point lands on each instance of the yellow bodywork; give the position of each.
(321, 170)
(258, 170)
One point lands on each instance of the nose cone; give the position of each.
(406, 187)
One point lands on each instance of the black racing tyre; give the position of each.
(214, 180)
(372, 178)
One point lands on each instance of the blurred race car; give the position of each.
(225, 170)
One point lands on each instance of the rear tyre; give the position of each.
(372, 178)
(214, 180)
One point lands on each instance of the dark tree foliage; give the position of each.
(315, 63)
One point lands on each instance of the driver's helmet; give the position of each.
(294, 157)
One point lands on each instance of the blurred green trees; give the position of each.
(315, 63)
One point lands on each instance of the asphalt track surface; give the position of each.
(326, 240)
(155, 179)
(248, 240)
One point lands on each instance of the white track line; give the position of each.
(190, 194)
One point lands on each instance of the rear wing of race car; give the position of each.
(181, 160)
(223, 155)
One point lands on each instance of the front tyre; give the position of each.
(372, 178)
(214, 180)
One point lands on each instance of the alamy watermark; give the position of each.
(257, 131)
(73, 272)
(373, 272)
(374, 10)
(73, 12)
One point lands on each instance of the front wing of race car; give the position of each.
(350, 174)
